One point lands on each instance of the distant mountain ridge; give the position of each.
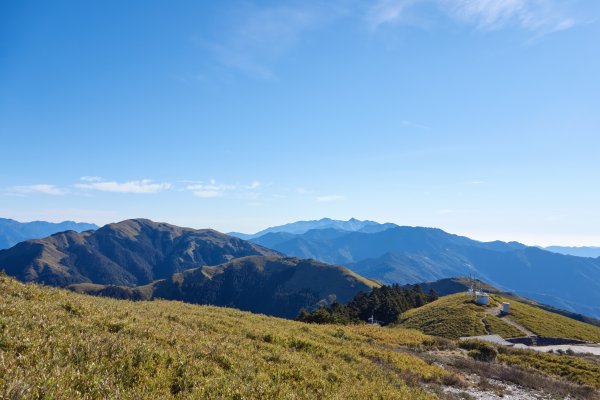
(300, 227)
(140, 259)
(13, 232)
(267, 285)
(131, 252)
(404, 254)
(582, 251)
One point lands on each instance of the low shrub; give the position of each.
(479, 350)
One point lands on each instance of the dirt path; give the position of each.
(497, 311)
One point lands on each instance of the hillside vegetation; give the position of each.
(444, 287)
(56, 344)
(545, 323)
(62, 345)
(277, 286)
(384, 304)
(457, 315)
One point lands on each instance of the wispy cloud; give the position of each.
(36, 189)
(144, 186)
(253, 185)
(542, 16)
(253, 39)
(536, 15)
(257, 37)
(91, 179)
(329, 198)
(214, 189)
(211, 189)
(385, 11)
(303, 191)
(410, 124)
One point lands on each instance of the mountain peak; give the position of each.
(301, 227)
(130, 252)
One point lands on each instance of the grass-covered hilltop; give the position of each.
(56, 344)
(457, 315)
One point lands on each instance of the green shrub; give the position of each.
(480, 351)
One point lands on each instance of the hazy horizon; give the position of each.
(486, 239)
(479, 118)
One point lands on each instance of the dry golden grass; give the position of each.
(457, 315)
(545, 323)
(61, 345)
(572, 368)
(452, 316)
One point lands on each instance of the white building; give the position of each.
(482, 298)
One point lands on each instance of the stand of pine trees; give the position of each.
(385, 304)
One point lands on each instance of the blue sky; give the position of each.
(480, 117)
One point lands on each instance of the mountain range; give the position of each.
(402, 254)
(300, 227)
(13, 232)
(581, 251)
(142, 260)
(267, 285)
(132, 252)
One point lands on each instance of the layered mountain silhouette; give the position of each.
(404, 255)
(268, 285)
(132, 252)
(582, 251)
(152, 258)
(300, 227)
(13, 232)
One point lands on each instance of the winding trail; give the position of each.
(497, 312)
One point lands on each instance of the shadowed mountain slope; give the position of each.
(131, 252)
(267, 285)
(415, 254)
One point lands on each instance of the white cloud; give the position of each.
(303, 191)
(144, 186)
(91, 179)
(253, 185)
(329, 198)
(36, 189)
(543, 16)
(214, 189)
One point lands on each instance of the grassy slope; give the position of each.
(449, 286)
(455, 315)
(546, 323)
(58, 344)
(574, 369)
